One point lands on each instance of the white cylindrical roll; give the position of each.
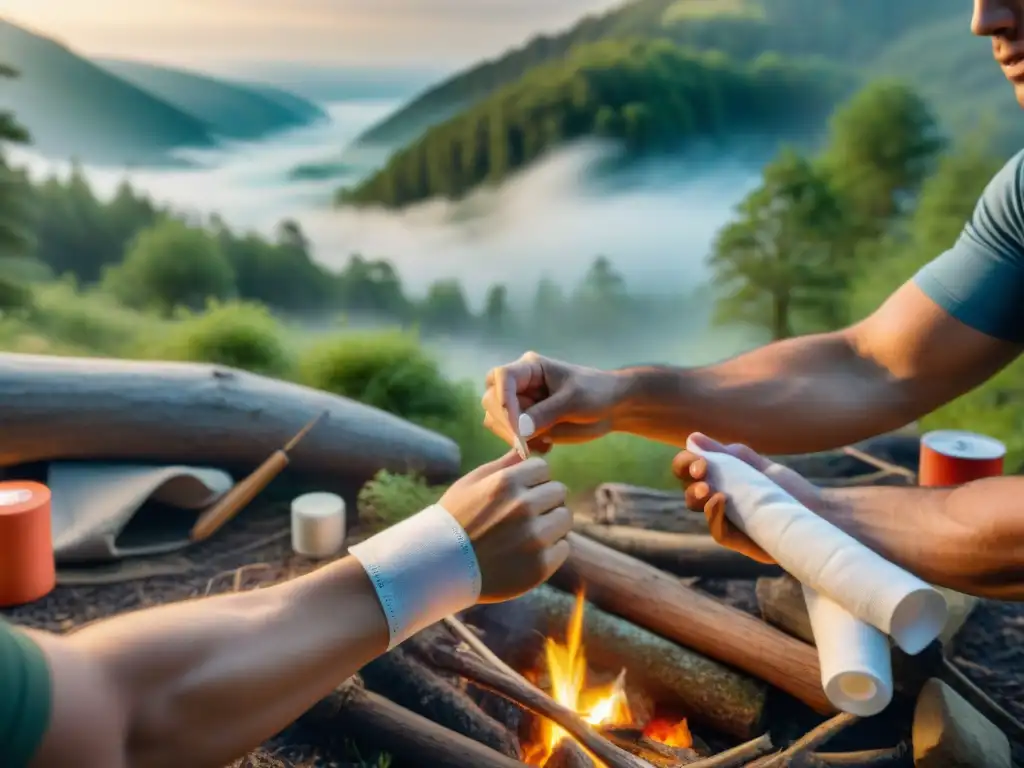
(856, 663)
(318, 525)
(825, 558)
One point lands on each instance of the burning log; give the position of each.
(705, 690)
(410, 684)
(684, 554)
(659, 602)
(397, 731)
(482, 673)
(631, 505)
(657, 754)
(569, 754)
(950, 732)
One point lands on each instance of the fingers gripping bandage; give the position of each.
(423, 569)
(826, 559)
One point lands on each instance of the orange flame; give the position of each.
(597, 705)
(567, 670)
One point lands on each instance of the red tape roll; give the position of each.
(27, 570)
(953, 457)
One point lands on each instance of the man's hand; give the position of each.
(565, 403)
(516, 517)
(692, 470)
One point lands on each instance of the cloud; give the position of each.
(346, 31)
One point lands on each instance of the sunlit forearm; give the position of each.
(206, 681)
(969, 538)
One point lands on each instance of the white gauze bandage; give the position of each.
(423, 568)
(826, 559)
(856, 663)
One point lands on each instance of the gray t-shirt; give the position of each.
(980, 280)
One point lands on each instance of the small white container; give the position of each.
(318, 525)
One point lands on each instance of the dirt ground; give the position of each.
(255, 550)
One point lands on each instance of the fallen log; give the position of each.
(683, 554)
(706, 691)
(569, 754)
(949, 733)
(409, 683)
(633, 505)
(482, 673)
(119, 410)
(657, 601)
(384, 725)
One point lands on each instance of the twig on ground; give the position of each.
(470, 638)
(981, 701)
(869, 758)
(738, 756)
(812, 740)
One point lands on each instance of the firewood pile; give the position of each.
(685, 675)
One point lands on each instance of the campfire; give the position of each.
(598, 705)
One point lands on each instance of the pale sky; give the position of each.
(372, 32)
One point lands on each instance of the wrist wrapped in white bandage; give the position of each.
(424, 568)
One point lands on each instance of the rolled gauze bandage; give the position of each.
(825, 558)
(318, 524)
(856, 664)
(424, 568)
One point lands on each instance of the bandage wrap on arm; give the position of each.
(423, 569)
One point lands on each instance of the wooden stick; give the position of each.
(470, 638)
(410, 683)
(235, 500)
(706, 691)
(479, 672)
(569, 754)
(657, 601)
(959, 682)
(408, 737)
(657, 754)
(869, 758)
(684, 554)
(812, 740)
(737, 756)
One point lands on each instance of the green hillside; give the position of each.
(847, 31)
(652, 95)
(955, 72)
(232, 110)
(72, 107)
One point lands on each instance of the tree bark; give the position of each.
(411, 684)
(621, 504)
(706, 691)
(657, 601)
(117, 410)
(353, 712)
(683, 554)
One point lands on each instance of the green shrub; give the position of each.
(388, 370)
(615, 458)
(170, 265)
(238, 335)
(389, 498)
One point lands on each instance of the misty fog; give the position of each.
(655, 224)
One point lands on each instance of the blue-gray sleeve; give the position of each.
(980, 280)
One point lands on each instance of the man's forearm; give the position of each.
(802, 395)
(969, 538)
(203, 682)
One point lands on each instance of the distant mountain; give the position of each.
(74, 108)
(851, 32)
(232, 110)
(651, 96)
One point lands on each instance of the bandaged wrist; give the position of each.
(423, 569)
